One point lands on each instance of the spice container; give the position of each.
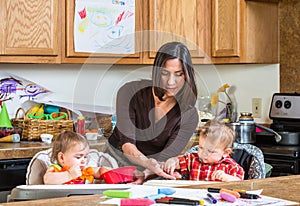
(81, 125)
(246, 117)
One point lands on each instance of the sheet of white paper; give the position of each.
(74, 107)
(176, 183)
(104, 26)
(139, 191)
(15, 90)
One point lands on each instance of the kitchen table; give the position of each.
(285, 187)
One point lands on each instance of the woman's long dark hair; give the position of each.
(187, 96)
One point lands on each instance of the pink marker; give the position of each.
(136, 202)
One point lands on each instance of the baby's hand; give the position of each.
(75, 172)
(221, 175)
(218, 175)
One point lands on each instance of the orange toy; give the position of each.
(87, 176)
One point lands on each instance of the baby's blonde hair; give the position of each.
(65, 141)
(217, 133)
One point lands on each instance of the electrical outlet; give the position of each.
(256, 107)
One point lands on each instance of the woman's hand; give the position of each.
(156, 168)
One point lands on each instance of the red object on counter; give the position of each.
(119, 175)
(81, 125)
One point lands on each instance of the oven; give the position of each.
(283, 166)
(285, 160)
(12, 173)
(283, 156)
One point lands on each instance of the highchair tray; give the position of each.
(35, 192)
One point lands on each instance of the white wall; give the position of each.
(98, 84)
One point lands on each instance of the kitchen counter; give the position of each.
(286, 187)
(27, 149)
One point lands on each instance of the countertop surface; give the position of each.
(285, 187)
(27, 149)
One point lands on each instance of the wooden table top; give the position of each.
(286, 187)
(27, 149)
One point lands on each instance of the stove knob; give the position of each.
(278, 104)
(287, 104)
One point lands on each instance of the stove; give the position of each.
(285, 114)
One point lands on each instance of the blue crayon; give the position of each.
(166, 191)
(155, 196)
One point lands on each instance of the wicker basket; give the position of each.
(18, 121)
(33, 128)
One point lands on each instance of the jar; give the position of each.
(81, 125)
(246, 117)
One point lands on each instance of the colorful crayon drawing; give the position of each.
(8, 86)
(104, 26)
(32, 90)
(15, 90)
(11, 87)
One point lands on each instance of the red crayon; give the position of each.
(136, 202)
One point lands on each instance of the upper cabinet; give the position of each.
(215, 31)
(244, 32)
(30, 31)
(186, 21)
(70, 56)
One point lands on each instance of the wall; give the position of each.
(290, 46)
(98, 84)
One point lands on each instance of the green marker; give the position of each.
(117, 193)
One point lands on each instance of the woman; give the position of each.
(156, 119)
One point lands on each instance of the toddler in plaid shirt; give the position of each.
(212, 162)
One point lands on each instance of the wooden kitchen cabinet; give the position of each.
(244, 32)
(215, 31)
(30, 31)
(187, 21)
(157, 22)
(70, 56)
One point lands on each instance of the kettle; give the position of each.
(245, 129)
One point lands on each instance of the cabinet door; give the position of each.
(70, 56)
(244, 32)
(186, 21)
(226, 28)
(29, 31)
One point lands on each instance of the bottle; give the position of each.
(81, 125)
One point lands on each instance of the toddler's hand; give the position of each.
(218, 175)
(221, 175)
(155, 167)
(170, 166)
(75, 172)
